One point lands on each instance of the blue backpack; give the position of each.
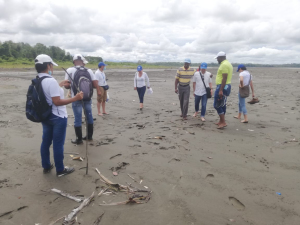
(37, 107)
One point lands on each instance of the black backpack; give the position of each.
(37, 107)
(82, 79)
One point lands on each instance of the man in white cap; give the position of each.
(182, 86)
(223, 82)
(85, 80)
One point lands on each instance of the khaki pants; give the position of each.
(103, 96)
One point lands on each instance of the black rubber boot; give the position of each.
(78, 132)
(90, 132)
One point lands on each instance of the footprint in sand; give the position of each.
(204, 162)
(237, 204)
(210, 175)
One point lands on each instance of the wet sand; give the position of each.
(198, 174)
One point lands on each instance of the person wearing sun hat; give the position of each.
(54, 128)
(140, 80)
(182, 86)
(223, 82)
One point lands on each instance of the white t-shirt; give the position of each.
(246, 77)
(141, 81)
(52, 89)
(100, 76)
(200, 88)
(72, 71)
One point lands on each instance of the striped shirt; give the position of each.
(184, 76)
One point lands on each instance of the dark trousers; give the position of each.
(184, 97)
(141, 92)
(54, 129)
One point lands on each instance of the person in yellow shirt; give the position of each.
(223, 82)
(182, 86)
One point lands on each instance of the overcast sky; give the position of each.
(253, 31)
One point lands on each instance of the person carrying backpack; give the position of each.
(85, 80)
(55, 124)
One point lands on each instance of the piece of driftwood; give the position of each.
(115, 156)
(98, 220)
(77, 199)
(69, 219)
(131, 177)
(52, 223)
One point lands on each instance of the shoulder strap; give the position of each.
(136, 79)
(202, 78)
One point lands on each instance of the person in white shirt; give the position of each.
(199, 89)
(54, 128)
(101, 99)
(245, 78)
(87, 75)
(140, 80)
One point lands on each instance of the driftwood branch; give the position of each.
(98, 220)
(77, 199)
(69, 219)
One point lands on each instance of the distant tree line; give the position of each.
(10, 51)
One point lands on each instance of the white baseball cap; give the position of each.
(220, 54)
(40, 59)
(80, 57)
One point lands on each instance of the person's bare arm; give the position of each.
(252, 88)
(224, 75)
(194, 87)
(241, 81)
(59, 102)
(176, 85)
(96, 86)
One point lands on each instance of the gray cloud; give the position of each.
(253, 31)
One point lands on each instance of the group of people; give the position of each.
(81, 82)
(202, 88)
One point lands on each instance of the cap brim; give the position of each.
(85, 62)
(54, 63)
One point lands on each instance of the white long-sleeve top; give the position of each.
(141, 81)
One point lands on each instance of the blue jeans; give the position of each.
(141, 92)
(54, 129)
(242, 105)
(77, 109)
(203, 104)
(226, 92)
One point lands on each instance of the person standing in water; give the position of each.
(140, 80)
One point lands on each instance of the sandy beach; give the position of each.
(246, 174)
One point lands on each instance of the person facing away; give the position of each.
(140, 80)
(182, 86)
(101, 99)
(223, 82)
(245, 78)
(85, 79)
(199, 89)
(54, 128)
